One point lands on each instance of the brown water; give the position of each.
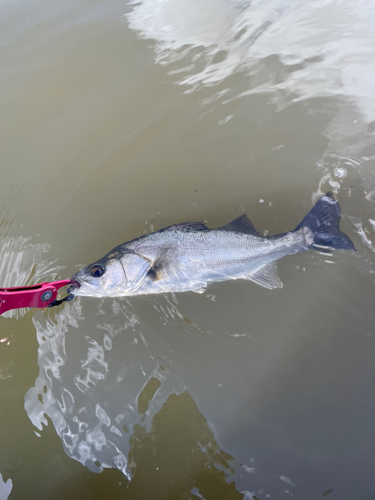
(118, 119)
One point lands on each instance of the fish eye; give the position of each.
(97, 271)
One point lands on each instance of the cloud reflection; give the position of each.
(22, 264)
(90, 388)
(115, 404)
(5, 488)
(319, 48)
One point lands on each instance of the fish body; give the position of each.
(189, 256)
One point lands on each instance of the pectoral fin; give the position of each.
(161, 267)
(266, 276)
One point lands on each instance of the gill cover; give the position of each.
(135, 268)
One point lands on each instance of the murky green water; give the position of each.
(118, 119)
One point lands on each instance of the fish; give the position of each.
(190, 256)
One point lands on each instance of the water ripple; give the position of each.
(22, 264)
(90, 394)
(319, 48)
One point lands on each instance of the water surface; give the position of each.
(121, 118)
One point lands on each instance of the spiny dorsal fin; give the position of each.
(266, 276)
(241, 225)
(185, 226)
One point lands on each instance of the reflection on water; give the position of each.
(5, 488)
(319, 48)
(89, 394)
(22, 264)
(109, 399)
(179, 455)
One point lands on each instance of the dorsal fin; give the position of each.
(241, 225)
(185, 226)
(266, 276)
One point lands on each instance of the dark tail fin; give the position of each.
(323, 220)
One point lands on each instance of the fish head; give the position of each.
(115, 275)
(103, 278)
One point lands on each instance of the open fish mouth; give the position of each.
(74, 286)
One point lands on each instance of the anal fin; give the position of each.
(266, 276)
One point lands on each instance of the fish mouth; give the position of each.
(73, 286)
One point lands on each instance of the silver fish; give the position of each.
(189, 256)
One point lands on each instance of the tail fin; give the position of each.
(323, 220)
